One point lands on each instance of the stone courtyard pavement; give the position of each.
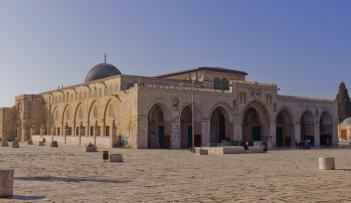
(67, 174)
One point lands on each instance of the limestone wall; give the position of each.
(7, 123)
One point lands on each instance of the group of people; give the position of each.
(305, 144)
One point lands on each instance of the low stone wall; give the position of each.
(231, 150)
(37, 138)
(59, 139)
(85, 140)
(103, 141)
(74, 140)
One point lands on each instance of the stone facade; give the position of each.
(156, 112)
(345, 130)
(7, 123)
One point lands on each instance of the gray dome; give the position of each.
(347, 121)
(102, 70)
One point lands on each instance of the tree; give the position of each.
(344, 104)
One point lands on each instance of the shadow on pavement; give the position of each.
(24, 197)
(74, 180)
(343, 169)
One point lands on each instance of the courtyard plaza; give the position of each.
(67, 174)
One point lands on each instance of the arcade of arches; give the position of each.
(255, 127)
(113, 110)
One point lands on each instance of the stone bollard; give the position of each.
(6, 183)
(15, 144)
(90, 148)
(30, 142)
(41, 143)
(54, 144)
(326, 163)
(116, 158)
(4, 143)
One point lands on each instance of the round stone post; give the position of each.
(326, 163)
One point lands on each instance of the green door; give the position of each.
(256, 133)
(280, 137)
(190, 138)
(161, 135)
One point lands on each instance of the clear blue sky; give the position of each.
(303, 46)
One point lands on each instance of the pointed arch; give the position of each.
(79, 120)
(159, 125)
(326, 128)
(307, 126)
(284, 128)
(66, 120)
(186, 126)
(256, 122)
(221, 125)
(110, 117)
(93, 120)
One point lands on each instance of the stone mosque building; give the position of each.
(215, 104)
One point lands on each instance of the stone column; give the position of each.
(42, 130)
(317, 136)
(52, 133)
(80, 133)
(238, 132)
(297, 132)
(103, 128)
(87, 128)
(335, 138)
(175, 137)
(141, 141)
(95, 130)
(175, 125)
(272, 139)
(113, 134)
(206, 133)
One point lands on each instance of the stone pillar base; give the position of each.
(6, 183)
(326, 163)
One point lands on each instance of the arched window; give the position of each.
(217, 83)
(224, 84)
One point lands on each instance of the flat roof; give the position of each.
(205, 68)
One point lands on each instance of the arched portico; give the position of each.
(186, 127)
(255, 123)
(79, 121)
(220, 126)
(93, 120)
(159, 126)
(67, 121)
(326, 129)
(284, 129)
(307, 126)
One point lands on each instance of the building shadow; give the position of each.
(343, 169)
(72, 179)
(26, 197)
